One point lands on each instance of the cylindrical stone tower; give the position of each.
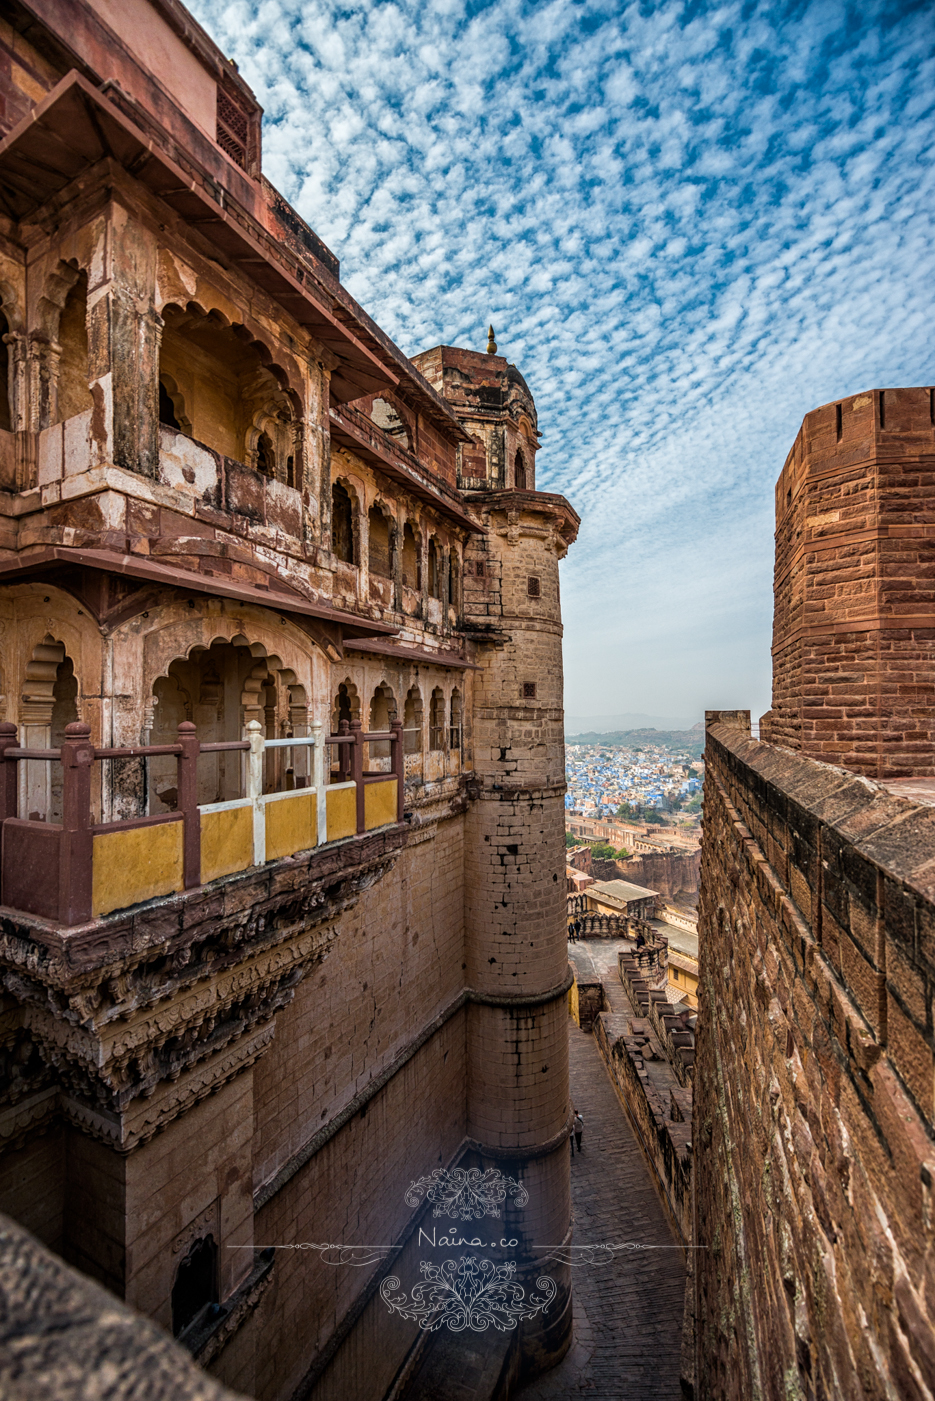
(517, 965)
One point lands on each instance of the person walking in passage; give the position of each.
(571, 1131)
(578, 1129)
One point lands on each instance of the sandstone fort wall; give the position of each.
(813, 1115)
(853, 661)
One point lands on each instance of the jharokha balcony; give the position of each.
(82, 869)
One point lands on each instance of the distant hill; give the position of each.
(630, 720)
(691, 740)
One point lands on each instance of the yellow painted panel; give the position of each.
(342, 813)
(291, 825)
(379, 803)
(226, 842)
(137, 863)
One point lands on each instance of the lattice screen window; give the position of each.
(237, 128)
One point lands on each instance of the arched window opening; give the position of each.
(379, 537)
(387, 417)
(290, 470)
(74, 396)
(265, 456)
(412, 722)
(64, 712)
(6, 417)
(195, 1290)
(219, 689)
(454, 571)
(167, 408)
(234, 395)
(342, 523)
(434, 572)
(454, 735)
(346, 707)
(382, 713)
(412, 563)
(437, 720)
(519, 472)
(51, 691)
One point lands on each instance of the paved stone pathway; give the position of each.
(628, 1313)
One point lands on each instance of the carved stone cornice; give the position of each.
(131, 1030)
(22, 1121)
(144, 1117)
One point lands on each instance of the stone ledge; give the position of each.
(62, 1335)
(665, 1140)
(206, 1342)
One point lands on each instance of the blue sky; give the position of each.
(689, 224)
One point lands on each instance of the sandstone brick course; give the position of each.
(814, 1106)
(853, 625)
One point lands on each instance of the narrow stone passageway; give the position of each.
(628, 1312)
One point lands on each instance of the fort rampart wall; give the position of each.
(813, 1113)
(853, 662)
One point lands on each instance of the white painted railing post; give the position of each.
(253, 788)
(318, 778)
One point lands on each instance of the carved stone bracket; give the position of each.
(128, 1043)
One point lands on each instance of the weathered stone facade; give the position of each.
(281, 753)
(814, 1119)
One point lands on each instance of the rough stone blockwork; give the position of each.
(853, 663)
(813, 1082)
(62, 1336)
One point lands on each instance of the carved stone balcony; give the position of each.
(77, 870)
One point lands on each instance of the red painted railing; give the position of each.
(46, 868)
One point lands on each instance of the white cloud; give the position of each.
(688, 231)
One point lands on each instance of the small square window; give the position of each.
(532, 586)
(529, 690)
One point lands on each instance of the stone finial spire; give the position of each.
(491, 343)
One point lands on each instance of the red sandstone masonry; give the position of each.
(853, 666)
(814, 1112)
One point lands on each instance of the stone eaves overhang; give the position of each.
(449, 660)
(508, 500)
(76, 126)
(39, 563)
(366, 440)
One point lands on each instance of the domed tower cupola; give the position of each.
(494, 405)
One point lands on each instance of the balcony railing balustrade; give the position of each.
(79, 870)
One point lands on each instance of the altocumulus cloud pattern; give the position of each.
(689, 224)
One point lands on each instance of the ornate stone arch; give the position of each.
(346, 705)
(260, 387)
(382, 714)
(455, 719)
(437, 719)
(345, 520)
(411, 554)
(61, 382)
(381, 546)
(397, 421)
(173, 392)
(413, 715)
